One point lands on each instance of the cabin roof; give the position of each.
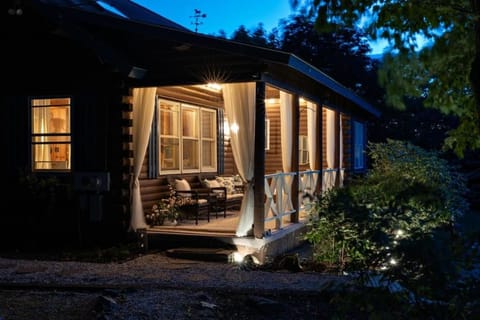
(152, 50)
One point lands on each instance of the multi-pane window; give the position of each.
(188, 137)
(303, 150)
(51, 135)
(358, 145)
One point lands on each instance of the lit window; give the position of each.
(188, 138)
(358, 145)
(303, 150)
(51, 135)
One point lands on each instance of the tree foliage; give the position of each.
(446, 73)
(399, 225)
(347, 60)
(342, 54)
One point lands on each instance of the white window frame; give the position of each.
(197, 136)
(303, 153)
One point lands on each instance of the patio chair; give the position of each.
(195, 202)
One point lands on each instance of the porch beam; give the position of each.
(337, 147)
(259, 168)
(295, 167)
(319, 133)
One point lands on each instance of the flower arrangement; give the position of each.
(167, 209)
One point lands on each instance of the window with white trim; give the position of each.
(358, 145)
(188, 138)
(51, 135)
(303, 156)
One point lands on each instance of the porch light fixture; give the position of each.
(234, 127)
(214, 86)
(226, 130)
(243, 259)
(272, 101)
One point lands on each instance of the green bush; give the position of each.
(396, 223)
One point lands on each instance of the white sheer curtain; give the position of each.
(330, 138)
(329, 176)
(312, 134)
(42, 151)
(286, 130)
(286, 142)
(340, 161)
(239, 99)
(143, 110)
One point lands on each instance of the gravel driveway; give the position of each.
(154, 286)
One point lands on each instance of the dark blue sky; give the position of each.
(225, 15)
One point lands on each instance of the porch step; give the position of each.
(202, 254)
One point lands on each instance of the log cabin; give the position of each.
(103, 107)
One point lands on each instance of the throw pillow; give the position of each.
(227, 182)
(182, 185)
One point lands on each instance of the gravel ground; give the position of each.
(155, 286)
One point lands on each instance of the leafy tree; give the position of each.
(446, 74)
(257, 37)
(342, 54)
(241, 35)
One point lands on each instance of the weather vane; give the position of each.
(198, 15)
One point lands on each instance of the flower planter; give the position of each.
(167, 222)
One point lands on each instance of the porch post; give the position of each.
(319, 157)
(337, 148)
(259, 169)
(295, 168)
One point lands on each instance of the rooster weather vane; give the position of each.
(197, 16)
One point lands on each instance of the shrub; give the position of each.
(396, 223)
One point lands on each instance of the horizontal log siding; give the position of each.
(229, 163)
(273, 156)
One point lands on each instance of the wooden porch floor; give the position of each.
(223, 227)
(221, 233)
(217, 227)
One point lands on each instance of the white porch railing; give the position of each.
(278, 198)
(278, 193)
(307, 185)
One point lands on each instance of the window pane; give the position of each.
(169, 154)
(169, 116)
(190, 154)
(190, 122)
(208, 124)
(51, 137)
(208, 154)
(51, 156)
(51, 120)
(359, 142)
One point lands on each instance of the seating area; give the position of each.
(207, 195)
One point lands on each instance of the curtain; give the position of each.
(239, 99)
(312, 134)
(330, 138)
(42, 151)
(286, 115)
(286, 132)
(143, 110)
(340, 158)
